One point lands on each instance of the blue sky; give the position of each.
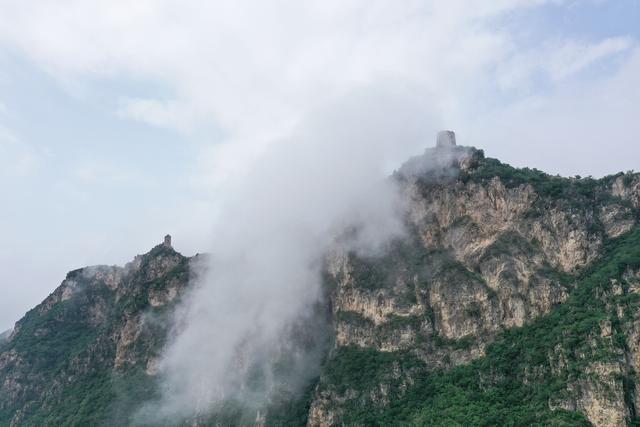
(120, 123)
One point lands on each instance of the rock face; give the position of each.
(491, 248)
(102, 327)
(490, 255)
(513, 300)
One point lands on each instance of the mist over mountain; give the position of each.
(457, 291)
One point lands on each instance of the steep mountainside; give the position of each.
(491, 250)
(514, 299)
(87, 352)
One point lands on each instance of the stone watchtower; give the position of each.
(446, 139)
(167, 240)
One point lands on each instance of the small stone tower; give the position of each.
(167, 240)
(446, 138)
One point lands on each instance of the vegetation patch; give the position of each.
(497, 389)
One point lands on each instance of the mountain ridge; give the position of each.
(491, 251)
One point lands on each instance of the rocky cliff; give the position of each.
(512, 299)
(88, 350)
(491, 249)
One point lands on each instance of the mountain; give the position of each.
(5, 335)
(94, 339)
(514, 299)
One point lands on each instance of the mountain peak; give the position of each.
(444, 161)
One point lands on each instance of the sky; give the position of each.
(123, 121)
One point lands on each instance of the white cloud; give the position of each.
(572, 57)
(586, 130)
(162, 113)
(17, 159)
(556, 60)
(254, 68)
(95, 171)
